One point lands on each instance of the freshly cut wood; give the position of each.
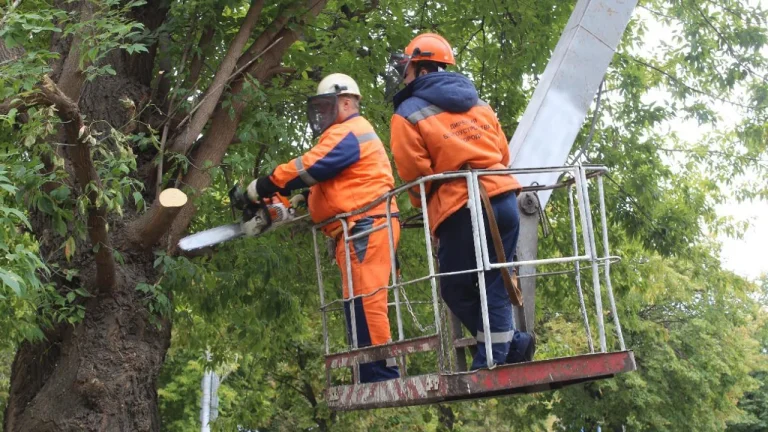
(172, 198)
(160, 217)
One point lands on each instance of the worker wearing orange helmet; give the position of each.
(347, 170)
(441, 125)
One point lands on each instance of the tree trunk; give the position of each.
(101, 373)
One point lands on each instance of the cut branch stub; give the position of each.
(159, 218)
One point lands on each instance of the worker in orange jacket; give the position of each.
(347, 170)
(441, 125)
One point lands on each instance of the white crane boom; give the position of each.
(570, 81)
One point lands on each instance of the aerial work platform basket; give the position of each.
(450, 379)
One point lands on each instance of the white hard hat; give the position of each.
(338, 84)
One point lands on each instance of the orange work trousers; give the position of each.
(371, 270)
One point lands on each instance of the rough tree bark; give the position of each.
(101, 374)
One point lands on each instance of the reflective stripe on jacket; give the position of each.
(347, 170)
(441, 125)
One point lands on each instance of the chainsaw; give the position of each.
(258, 218)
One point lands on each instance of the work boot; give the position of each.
(522, 348)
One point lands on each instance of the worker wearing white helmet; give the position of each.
(347, 170)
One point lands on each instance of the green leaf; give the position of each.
(12, 115)
(45, 205)
(10, 188)
(118, 257)
(13, 281)
(61, 193)
(59, 225)
(138, 199)
(69, 247)
(18, 214)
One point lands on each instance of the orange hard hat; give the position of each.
(432, 47)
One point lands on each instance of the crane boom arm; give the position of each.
(570, 81)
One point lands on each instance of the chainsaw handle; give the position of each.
(238, 198)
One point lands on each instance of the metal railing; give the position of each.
(576, 179)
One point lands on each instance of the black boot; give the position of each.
(522, 348)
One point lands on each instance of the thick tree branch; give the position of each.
(200, 118)
(160, 92)
(265, 38)
(225, 120)
(235, 74)
(153, 225)
(80, 156)
(279, 70)
(198, 58)
(71, 80)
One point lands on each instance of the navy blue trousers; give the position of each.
(461, 293)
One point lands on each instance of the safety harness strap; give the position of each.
(509, 278)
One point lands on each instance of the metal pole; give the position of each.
(215, 383)
(205, 402)
(323, 312)
(350, 288)
(392, 262)
(539, 262)
(607, 264)
(431, 266)
(481, 221)
(595, 269)
(577, 268)
(474, 216)
(393, 269)
(351, 291)
(582, 214)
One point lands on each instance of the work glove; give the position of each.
(299, 200)
(238, 198)
(255, 214)
(252, 192)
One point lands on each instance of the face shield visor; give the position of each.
(322, 111)
(394, 74)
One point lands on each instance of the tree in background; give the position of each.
(755, 403)
(105, 104)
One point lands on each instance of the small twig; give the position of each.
(421, 15)
(161, 156)
(693, 89)
(716, 153)
(657, 13)
(228, 179)
(259, 159)
(8, 12)
(231, 77)
(482, 26)
(178, 78)
(728, 45)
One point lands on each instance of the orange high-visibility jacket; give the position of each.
(441, 125)
(347, 170)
